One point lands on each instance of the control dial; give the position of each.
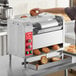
(29, 41)
(29, 47)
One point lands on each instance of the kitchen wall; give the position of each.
(63, 3)
(23, 6)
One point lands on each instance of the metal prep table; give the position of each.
(3, 33)
(18, 70)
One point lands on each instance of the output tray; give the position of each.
(37, 66)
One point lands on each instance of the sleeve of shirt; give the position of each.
(71, 12)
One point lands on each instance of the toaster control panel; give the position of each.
(28, 43)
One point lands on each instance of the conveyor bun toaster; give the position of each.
(30, 33)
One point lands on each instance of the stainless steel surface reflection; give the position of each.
(16, 70)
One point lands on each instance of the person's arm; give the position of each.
(51, 10)
(54, 10)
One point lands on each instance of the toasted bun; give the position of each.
(55, 47)
(44, 60)
(72, 46)
(45, 50)
(36, 52)
(55, 59)
(72, 50)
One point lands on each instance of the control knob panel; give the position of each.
(28, 43)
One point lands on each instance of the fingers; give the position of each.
(35, 12)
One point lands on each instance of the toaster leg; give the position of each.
(2, 47)
(10, 60)
(66, 72)
(6, 45)
(24, 62)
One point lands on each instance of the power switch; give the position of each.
(27, 52)
(30, 51)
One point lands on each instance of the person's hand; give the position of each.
(35, 11)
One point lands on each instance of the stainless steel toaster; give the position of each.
(27, 34)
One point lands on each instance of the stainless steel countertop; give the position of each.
(19, 70)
